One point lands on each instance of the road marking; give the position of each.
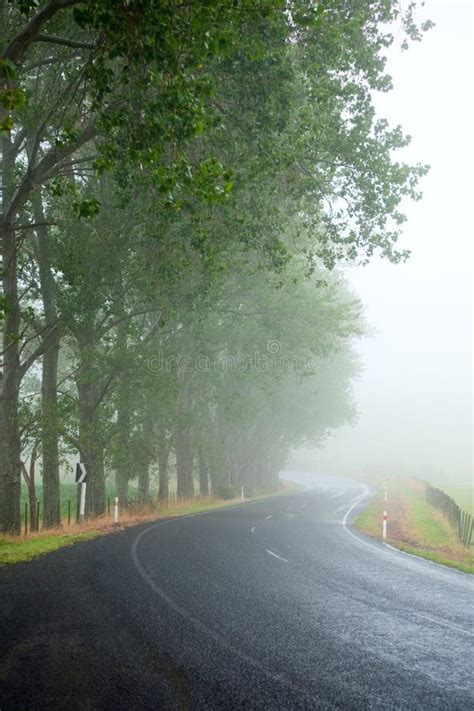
(350, 510)
(357, 501)
(436, 621)
(269, 516)
(444, 571)
(275, 555)
(337, 496)
(252, 529)
(182, 612)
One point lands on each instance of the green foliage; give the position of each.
(192, 172)
(86, 208)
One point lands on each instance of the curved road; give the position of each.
(276, 604)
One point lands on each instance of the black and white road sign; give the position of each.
(81, 473)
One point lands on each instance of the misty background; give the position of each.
(414, 397)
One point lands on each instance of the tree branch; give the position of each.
(44, 170)
(15, 51)
(38, 351)
(51, 39)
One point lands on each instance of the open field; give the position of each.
(414, 525)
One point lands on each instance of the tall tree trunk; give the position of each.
(91, 442)
(184, 461)
(10, 378)
(144, 483)
(121, 463)
(147, 458)
(49, 380)
(50, 437)
(10, 447)
(203, 473)
(92, 451)
(163, 455)
(29, 477)
(183, 443)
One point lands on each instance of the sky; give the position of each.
(415, 395)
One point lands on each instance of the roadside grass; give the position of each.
(414, 525)
(68, 493)
(16, 549)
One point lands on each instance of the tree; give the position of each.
(253, 138)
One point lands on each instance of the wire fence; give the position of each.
(32, 518)
(461, 521)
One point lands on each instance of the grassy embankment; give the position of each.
(16, 549)
(415, 526)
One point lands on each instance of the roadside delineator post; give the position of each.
(116, 511)
(241, 493)
(385, 498)
(384, 525)
(81, 481)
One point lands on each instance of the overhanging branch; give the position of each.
(20, 43)
(65, 41)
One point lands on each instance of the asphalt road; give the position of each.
(277, 604)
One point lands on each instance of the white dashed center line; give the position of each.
(276, 556)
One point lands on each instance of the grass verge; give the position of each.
(17, 549)
(414, 525)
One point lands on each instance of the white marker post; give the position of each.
(384, 525)
(385, 498)
(116, 511)
(241, 493)
(82, 502)
(81, 476)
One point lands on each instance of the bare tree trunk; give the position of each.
(163, 454)
(49, 382)
(10, 446)
(203, 473)
(147, 458)
(29, 477)
(10, 378)
(184, 461)
(50, 448)
(144, 484)
(183, 443)
(91, 444)
(122, 464)
(92, 453)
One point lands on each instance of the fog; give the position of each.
(415, 395)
